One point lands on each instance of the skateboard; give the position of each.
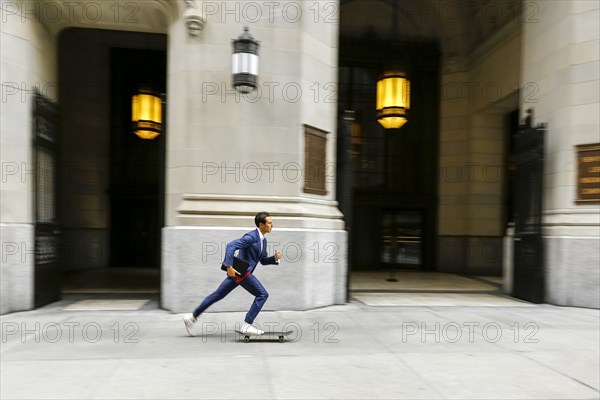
(268, 334)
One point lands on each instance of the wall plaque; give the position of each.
(588, 173)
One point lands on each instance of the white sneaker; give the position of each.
(189, 320)
(251, 330)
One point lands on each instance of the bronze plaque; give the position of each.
(588, 173)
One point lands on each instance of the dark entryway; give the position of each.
(401, 238)
(393, 172)
(112, 186)
(136, 165)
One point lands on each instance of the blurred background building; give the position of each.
(139, 137)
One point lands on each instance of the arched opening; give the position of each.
(111, 187)
(423, 198)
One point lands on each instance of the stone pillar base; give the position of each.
(17, 272)
(312, 273)
(572, 274)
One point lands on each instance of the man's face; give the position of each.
(266, 227)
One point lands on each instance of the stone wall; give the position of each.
(561, 56)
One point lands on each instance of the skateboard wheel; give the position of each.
(246, 339)
(280, 339)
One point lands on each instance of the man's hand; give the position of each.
(231, 272)
(277, 255)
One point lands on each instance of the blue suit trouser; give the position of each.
(251, 284)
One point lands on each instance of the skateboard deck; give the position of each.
(268, 335)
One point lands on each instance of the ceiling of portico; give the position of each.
(125, 15)
(459, 26)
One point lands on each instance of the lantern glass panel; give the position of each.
(393, 99)
(393, 92)
(146, 115)
(244, 63)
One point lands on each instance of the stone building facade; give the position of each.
(223, 155)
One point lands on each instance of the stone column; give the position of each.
(28, 63)
(560, 55)
(230, 156)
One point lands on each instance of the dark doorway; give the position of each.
(137, 165)
(112, 182)
(402, 238)
(393, 172)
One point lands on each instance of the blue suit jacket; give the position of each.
(249, 250)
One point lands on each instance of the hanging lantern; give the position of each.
(244, 62)
(393, 100)
(146, 114)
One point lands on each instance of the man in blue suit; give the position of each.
(253, 249)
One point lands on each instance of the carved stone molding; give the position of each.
(194, 20)
(234, 210)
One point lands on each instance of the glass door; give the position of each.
(401, 238)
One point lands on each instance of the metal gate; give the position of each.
(47, 233)
(528, 243)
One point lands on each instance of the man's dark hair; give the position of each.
(261, 217)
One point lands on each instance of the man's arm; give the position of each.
(274, 259)
(241, 243)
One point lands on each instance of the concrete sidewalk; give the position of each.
(355, 351)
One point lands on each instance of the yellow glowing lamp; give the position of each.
(393, 100)
(146, 114)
